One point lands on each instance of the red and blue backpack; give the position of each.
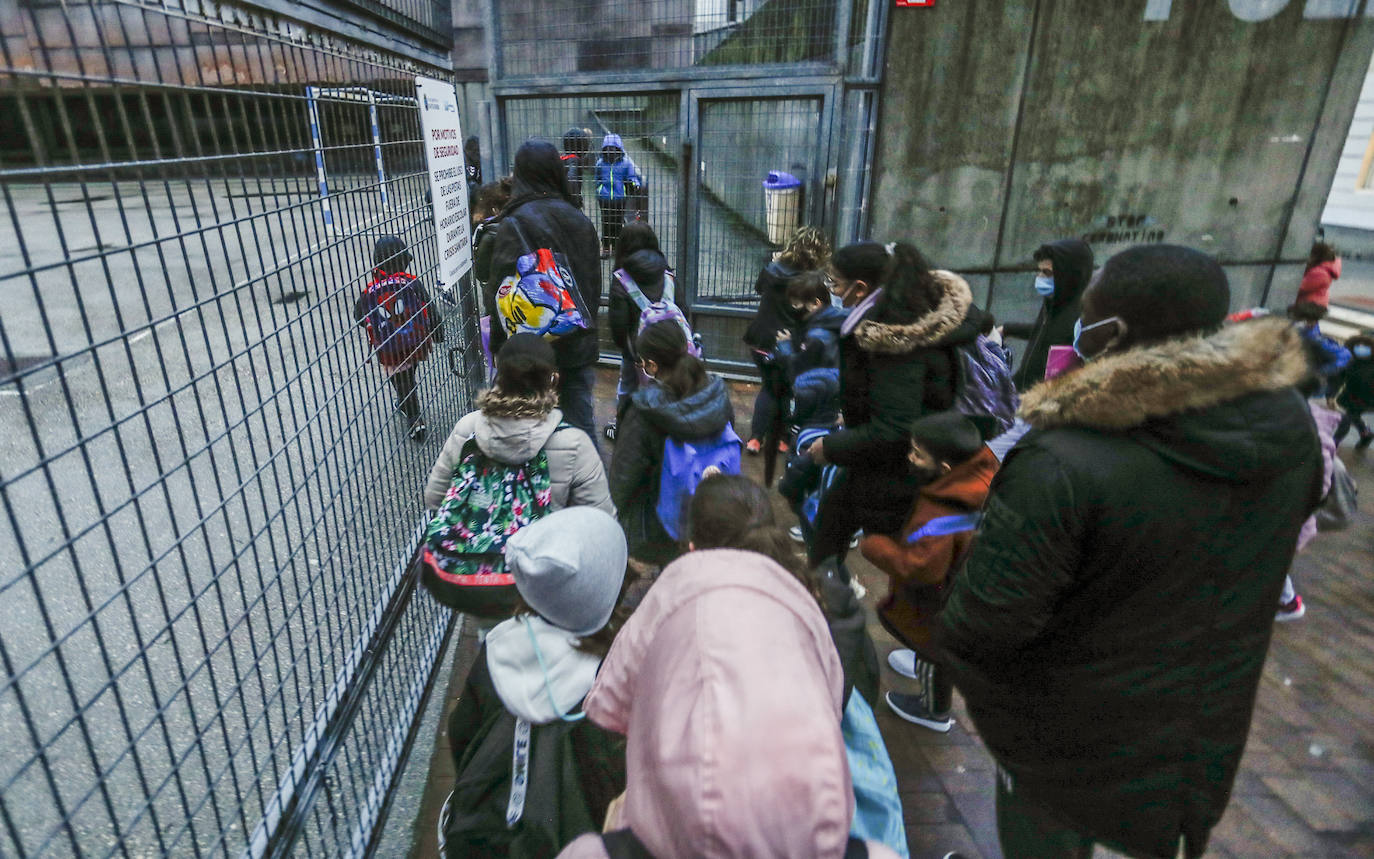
(398, 322)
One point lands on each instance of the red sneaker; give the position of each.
(1291, 610)
(753, 447)
(782, 447)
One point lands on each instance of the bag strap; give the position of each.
(943, 526)
(632, 289)
(520, 234)
(670, 287)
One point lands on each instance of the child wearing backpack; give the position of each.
(809, 299)
(955, 468)
(673, 430)
(515, 451)
(639, 268)
(531, 773)
(401, 322)
(815, 414)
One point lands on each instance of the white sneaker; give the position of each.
(859, 590)
(903, 661)
(795, 532)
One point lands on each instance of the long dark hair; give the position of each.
(729, 511)
(679, 373)
(634, 236)
(1321, 252)
(910, 289)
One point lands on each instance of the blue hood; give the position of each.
(613, 140)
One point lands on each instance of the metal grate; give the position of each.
(210, 646)
(568, 36)
(741, 142)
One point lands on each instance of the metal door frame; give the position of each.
(819, 208)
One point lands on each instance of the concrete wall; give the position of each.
(1008, 123)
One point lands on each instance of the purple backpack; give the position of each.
(659, 311)
(985, 386)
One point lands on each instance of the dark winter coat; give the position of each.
(575, 770)
(1110, 627)
(1073, 268)
(646, 268)
(540, 206)
(635, 468)
(774, 313)
(820, 343)
(1356, 386)
(892, 371)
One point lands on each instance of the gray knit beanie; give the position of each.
(569, 567)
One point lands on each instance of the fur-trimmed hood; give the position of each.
(954, 320)
(1118, 392)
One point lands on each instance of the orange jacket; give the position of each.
(920, 570)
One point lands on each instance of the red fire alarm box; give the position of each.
(911, 4)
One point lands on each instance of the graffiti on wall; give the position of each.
(1133, 228)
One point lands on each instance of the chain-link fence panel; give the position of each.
(211, 645)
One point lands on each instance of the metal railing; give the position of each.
(210, 642)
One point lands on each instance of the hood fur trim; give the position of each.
(1121, 391)
(495, 404)
(887, 338)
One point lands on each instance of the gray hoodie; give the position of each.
(579, 478)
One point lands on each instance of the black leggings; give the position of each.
(406, 395)
(612, 219)
(877, 505)
(1349, 419)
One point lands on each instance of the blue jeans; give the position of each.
(576, 400)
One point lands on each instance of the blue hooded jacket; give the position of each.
(612, 175)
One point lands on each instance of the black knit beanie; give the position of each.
(948, 436)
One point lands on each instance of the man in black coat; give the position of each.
(547, 219)
(1109, 630)
(1063, 269)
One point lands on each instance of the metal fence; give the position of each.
(564, 36)
(210, 645)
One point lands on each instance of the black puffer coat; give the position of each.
(1073, 268)
(638, 460)
(1109, 630)
(775, 313)
(540, 206)
(893, 371)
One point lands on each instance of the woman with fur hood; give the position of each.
(1109, 630)
(519, 417)
(898, 361)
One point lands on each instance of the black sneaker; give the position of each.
(1364, 441)
(609, 431)
(914, 710)
(418, 430)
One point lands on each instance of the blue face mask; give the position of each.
(1079, 328)
(1044, 286)
(1361, 351)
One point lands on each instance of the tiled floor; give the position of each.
(1306, 785)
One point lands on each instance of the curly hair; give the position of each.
(806, 250)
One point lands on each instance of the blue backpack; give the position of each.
(683, 464)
